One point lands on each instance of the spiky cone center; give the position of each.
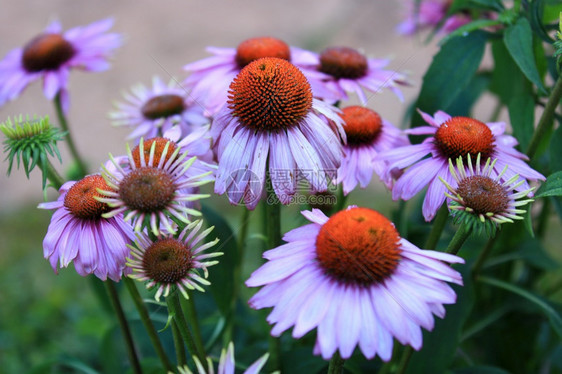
(362, 125)
(147, 189)
(46, 52)
(163, 106)
(343, 62)
(159, 144)
(255, 48)
(483, 195)
(460, 136)
(270, 94)
(358, 246)
(167, 261)
(81, 200)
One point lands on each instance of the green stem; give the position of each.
(546, 121)
(477, 267)
(458, 240)
(543, 218)
(130, 345)
(336, 364)
(147, 322)
(273, 234)
(53, 176)
(405, 360)
(71, 146)
(178, 345)
(174, 307)
(437, 228)
(191, 314)
(340, 200)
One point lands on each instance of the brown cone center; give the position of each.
(147, 189)
(159, 146)
(163, 106)
(483, 194)
(167, 261)
(256, 48)
(80, 198)
(270, 94)
(46, 52)
(343, 62)
(358, 246)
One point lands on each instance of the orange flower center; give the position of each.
(167, 261)
(256, 48)
(460, 136)
(270, 94)
(358, 246)
(362, 125)
(46, 52)
(483, 194)
(147, 190)
(80, 201)
(158, 150)
(343, 62)
(163, 106)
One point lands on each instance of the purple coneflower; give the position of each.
(353, 278)
(480, 199)
(272, 120)
(167, 261)
(367, 135)
(429, 14)
(52, 54)
(453, 137)
(79, 233)
(152, 185)
(152, 111)
(210, 77)
(337, 71)
(226, 364)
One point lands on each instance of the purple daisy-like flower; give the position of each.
(168, 261)
(453, 137)
(429, 14)
(272, 120)
(153, 111)
(367, 135)
(79, 233)
(210, 77)
(353, 278)
(152, 185)
(52, 54)
(338, 71)
(226, 364)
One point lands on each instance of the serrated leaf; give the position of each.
(553, 316)
(518, 39)
(552, 186)
(451, 71)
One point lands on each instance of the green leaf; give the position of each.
(488, 4)
(552, 186)
(556, 150)
(518, 39)
(464, 102)
(481, 370)
(469, 27)
(221, 275)
(528, 221)
(451, 71)
(553, 316)
(521, 110)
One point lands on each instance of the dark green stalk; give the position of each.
(191, 314)
(336, 364)
(458, 240)
(437, 229)
(147, 322)
(483, 256)
(405, 359)
(547, 118)
(174, 307)
(71, 146)
(129, 343)
(178, 345)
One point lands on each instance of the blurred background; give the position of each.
(46, 318)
